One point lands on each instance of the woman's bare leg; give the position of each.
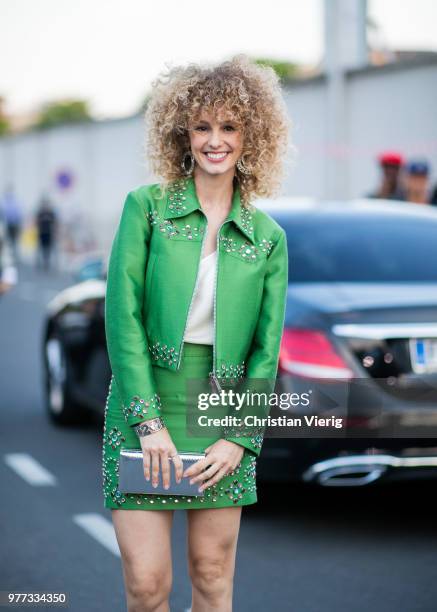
(144, 539)
(212, 546)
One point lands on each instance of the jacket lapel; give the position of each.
(182, 200)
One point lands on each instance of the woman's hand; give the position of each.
(222, 457)
(157, 447)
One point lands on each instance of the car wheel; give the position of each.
(60, 404)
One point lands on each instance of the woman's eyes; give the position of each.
(201, 128)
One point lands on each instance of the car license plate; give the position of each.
(423, 354)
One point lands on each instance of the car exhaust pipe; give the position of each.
(359, 470)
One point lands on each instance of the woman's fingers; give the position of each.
(207, 473)
(198, 467)
(155, 467)
(214, 480)
(146, 464)
(155, 459)
(157, 455)
(178, 466)
(165, 467)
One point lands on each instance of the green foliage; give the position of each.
(66, 111)
(4, 126)
(4, 123)
(284, 70)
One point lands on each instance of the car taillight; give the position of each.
(310, 354)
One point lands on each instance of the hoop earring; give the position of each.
(242, 168)
(188, 156)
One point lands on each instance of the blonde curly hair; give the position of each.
(248, 93)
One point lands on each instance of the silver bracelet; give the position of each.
(149, 427)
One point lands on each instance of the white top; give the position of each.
(200, 324)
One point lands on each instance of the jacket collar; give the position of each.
(182, 200)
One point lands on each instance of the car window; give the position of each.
(357, 248)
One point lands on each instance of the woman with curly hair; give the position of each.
(196, 290)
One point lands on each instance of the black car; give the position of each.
(361, 315)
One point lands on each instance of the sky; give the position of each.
(109, 51)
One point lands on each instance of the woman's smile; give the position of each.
(216, 157)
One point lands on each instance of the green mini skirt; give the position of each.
(236, 489)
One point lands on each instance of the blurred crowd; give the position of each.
(45, 223)
(407, 180)
(44, 236)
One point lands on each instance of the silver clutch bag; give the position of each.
(132, 480)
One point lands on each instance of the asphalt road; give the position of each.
(300, 549)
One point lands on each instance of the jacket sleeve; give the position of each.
(126, 338)
(262, 364)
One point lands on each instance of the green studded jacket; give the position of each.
(152, 274)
